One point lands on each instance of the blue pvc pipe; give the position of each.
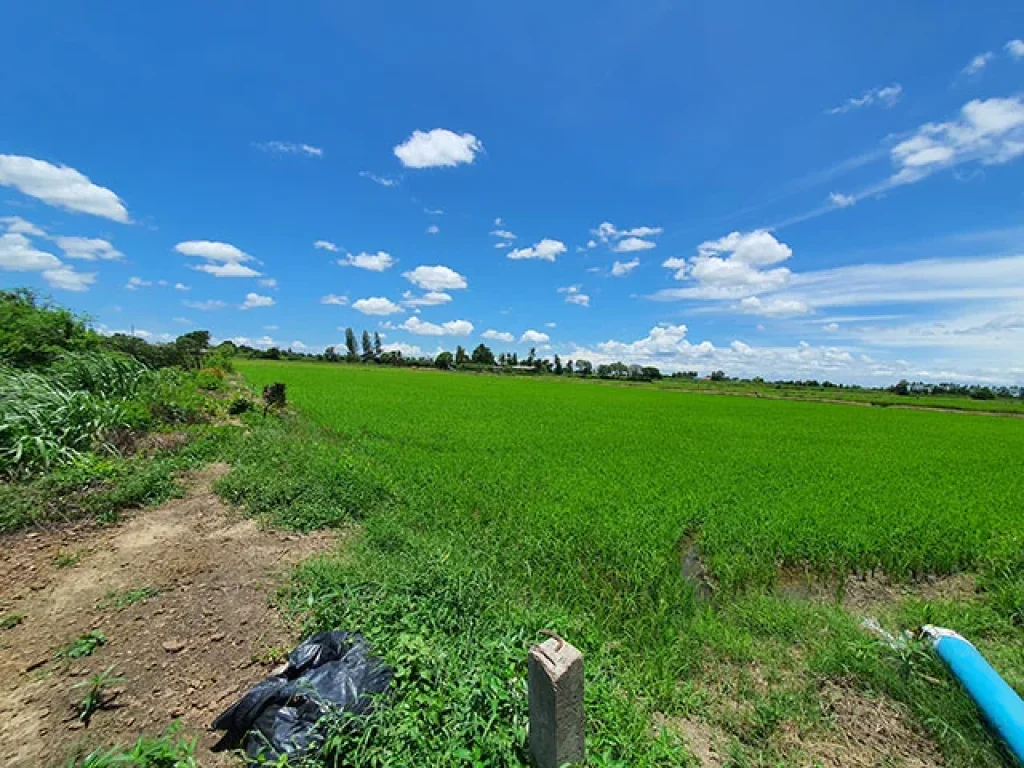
(998, 702)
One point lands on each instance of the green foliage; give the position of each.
(169, 750)
(171, 396)
(34, 333)
(99, 487)
(287, 472)
(11, 620)
(97, 695)
(117, 601)
(210, 379)
(111, 375)
(516, 504)
(239, 406)
(43, 424)
(80, 647)
(191, 348)
(68, 559)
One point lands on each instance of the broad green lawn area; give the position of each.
(500, 506)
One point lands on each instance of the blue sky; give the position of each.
(790, 189)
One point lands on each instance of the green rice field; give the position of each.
(498, 506)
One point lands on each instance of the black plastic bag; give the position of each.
(328, 672)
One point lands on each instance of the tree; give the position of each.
(584, 367)
(367, 347)
(558, 366)
(34, 333)
(514, 359)
(650, 373)
(718, 376)
(533, 354)
(568, 368)
(444, 360)
(460, 355)
(483, 355)
(350, 344)
(330, 355)
(378, 347)
(191, 347)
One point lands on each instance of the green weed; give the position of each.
(11, 620)
(68, 559)
(169, 750)
(97, 694)
(117, 601)
(80, 647)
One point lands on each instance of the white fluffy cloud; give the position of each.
(884, 96)
(752, 305)
(254, 300)
(623, 268)
(504, 234)
(493, 335)
(451, 328)
(60, 186)
(326, 245)
(134, 283)
(67, 279)
(435, 278)
(376, 305)
(17, 254)
(439, 148)
(407, 350)
(839, 200)
(1015, 48)
(990, 132)
(433, 229)
(182, 287)
(374, 262)
(87, 248)
(228, 269)
(830, 327)
(574, 296)
(534, 337)
(731, 267)
(978, 63)
(545, 250)
(630, 244)
(606, 231)
(429, 299)
(19, 226)
(290, 148)
(335, 299)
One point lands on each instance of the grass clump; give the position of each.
(11, 620)
(97, 693)
(118, 601)
(82, 646)
(169, 750)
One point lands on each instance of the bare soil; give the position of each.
(185, 654)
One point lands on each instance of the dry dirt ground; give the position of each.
(185, 653)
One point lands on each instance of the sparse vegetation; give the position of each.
(97, 693)
(82, 646)
(169, 750)
(11, 620)
(116, 601)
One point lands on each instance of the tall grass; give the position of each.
(43, 424)
(104, 373)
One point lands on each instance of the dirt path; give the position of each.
(185, 652)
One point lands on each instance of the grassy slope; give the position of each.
(497, 507)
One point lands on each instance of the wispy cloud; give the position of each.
(289, 148)
(883, 96)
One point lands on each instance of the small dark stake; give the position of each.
(273, 396)
(555, 681)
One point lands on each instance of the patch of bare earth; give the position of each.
(185, 653)
(866, 732)
(867, 592)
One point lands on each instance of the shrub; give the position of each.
(239, 406)
(171, 397)
(34, 333)
(210, 379)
